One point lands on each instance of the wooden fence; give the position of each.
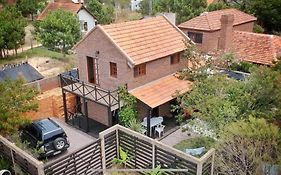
(15, 155)
(96, 158)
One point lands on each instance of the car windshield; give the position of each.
(32, 131)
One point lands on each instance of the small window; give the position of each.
(85, 26)
(195, 37)
(140, 70)
(175, 58)
(113, 70)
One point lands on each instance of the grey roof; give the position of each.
(24, 70)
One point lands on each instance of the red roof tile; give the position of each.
(69, 6)
(146, 40)
(256, 48)
(210, 21)
(161, 91)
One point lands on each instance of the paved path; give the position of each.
(176, 137)
(77, 139)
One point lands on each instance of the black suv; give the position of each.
(45, 135)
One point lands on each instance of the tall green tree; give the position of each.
(15, 98)
(12, 29)
(59, 29)
(28, 7)
(102, 12)
(267, 12)
(217, 6)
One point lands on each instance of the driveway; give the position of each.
(77, 139)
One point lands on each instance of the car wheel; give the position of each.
(59, 143)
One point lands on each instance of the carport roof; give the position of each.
(161, 91)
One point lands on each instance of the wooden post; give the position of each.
(153, 155)
(103, 161)
(148, 122)
(86, 113)
(199, 168)
(64, 106)
(213, 161)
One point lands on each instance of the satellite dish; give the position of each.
(5, 172)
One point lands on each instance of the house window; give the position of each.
(175, 58)
(196, 37)
(113, 70)
(85, 26)
(140, 70)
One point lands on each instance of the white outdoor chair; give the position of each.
(144, 119)
(159, 129)
(143, 130)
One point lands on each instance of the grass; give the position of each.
(36, 52)
(196, 142)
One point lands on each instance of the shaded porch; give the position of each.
(155, 98)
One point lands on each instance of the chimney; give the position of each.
(226, 32)
(171, 17)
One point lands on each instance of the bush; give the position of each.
(4, 163)
(245, 145)
(242, 67)
(196, 142)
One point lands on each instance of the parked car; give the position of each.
(47, 136)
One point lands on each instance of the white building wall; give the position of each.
(85, 16)
(135, 5)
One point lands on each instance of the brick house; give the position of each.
(86, 19)
(143, 55)
(205, 30)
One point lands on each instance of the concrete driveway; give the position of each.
(77, 139)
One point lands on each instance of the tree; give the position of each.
(220, 100)
(12, 29)
(28, 7)
(263, 10)
(217, 6)
(15, 98)
(59, 29)
(245, 145)
(102, 12)
(184, 10)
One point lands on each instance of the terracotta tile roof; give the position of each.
(146, 40)
(256, 48)
(161, 91)
(210, 21)
(69, 6)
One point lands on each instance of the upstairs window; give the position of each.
(140, 70)
(195, 37)
(175, 58)
(113, 69)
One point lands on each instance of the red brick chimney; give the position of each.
(226, 33)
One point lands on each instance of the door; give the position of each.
(92, 67)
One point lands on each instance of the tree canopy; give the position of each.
(15, 98)
(28, 7)
(184, 9)
(102, 12)
(267, 12)
(59, 29)
(12, 29)
(220, 100)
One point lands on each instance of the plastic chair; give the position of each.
(159, 129)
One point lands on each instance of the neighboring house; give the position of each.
(143, 55)
(86, 19)
(135, 5)
(16, 71)
(205, 30)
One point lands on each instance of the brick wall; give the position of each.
(99, 113)
(211, 39)
(51, 105)
(45, 84)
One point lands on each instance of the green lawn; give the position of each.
(196, 142)
(36, 52)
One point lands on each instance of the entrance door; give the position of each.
(92, 67)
